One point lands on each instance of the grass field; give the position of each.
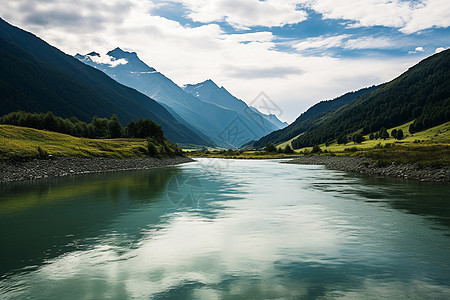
(429, 147)
(23, 143)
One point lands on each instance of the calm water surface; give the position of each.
(225, 229)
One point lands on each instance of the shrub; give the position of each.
(151, 148)
(41, 152)
(288, 149)
(270, 148)
(316, 149)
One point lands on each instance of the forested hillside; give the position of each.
(307, 120)
(421, 93)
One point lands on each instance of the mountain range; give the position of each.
(37, 77)
(213, 112)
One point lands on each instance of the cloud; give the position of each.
(243, 14)
(245, 64)
(255, 72)
(322, 42)
(417, 50)
(440, 49)
(432, 13)
(108, 60)
(408, 16)
(370, 43)
(345, 41)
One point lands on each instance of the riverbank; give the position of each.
(43, 168)
(370, 166)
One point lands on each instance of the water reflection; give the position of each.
(40, 220)
(260, 231)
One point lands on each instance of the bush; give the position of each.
(41, 152)
(316, 149)
(358, 138)
(270, 148)
(151, 148)
(288, 149)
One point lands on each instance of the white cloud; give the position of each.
(108, 60)
(440, 49)
(370, 43)
(433, 13)
(322, 42)
(408, 16)
(345, 41)
(245, 64)
(244, 13)
(417, 50)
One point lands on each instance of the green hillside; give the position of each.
(306, 120)
(422, 94)
(21, 143)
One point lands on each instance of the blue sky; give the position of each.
(297, 52)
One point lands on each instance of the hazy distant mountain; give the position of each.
(223, 123)
(37, 77)
(208, 91)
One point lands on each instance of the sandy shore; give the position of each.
(369, 166)
(43, 168)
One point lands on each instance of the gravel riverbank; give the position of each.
(43, 168)
(369, 166)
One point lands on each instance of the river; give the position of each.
(225, 229)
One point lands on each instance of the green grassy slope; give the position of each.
(18, 143)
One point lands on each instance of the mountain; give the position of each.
(421, 94)
(37, 77)
(208, 91)
(307, 120)
(217, 121)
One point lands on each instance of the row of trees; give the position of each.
(98, 128)
(382, 134)
(271, 148)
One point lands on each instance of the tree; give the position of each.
(342, 139)
(270, 148)
(400, 134)
(394, 133)
(114, 127)
(358, 138)
(100, 127)
(288, 149)
(383, 133)
(151, 148)
(316, 149)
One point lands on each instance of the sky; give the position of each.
(296, 52)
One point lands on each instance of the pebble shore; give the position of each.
(43, 168)
(369, 166)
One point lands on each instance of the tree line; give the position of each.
(97, 128)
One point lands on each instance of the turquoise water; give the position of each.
(225, 229)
